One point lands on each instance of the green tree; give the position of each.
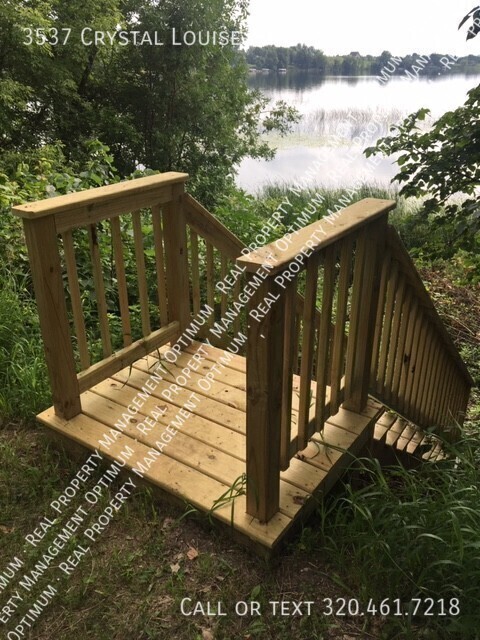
(167, 107)
(44, 87)
(442, 163)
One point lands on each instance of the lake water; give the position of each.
(340, 117)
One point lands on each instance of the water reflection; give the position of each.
(336, 111)
(326, 166)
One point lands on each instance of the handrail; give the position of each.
(316, 236)
(50, 226)
(211, 229)
(99, 195)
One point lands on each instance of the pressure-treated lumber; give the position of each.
(41, 239)
(99, 285)
(160, 264)
(308, 345)
(287, 374)
(264, 402)
(76, 299)
(87, 207)
(206, 455)
(121, 280)
(141, 272)
(124, 357)
(338, 349)
(211, 229)
(324, 334)
(175, 238)
(318, 235)
(366, 284)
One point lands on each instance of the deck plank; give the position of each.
(183, 448)
(208, 453)
(211, 433)
(173, 477)
(210, 409)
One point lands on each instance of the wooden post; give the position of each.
(41, 238)
(175, 237)
(365, 296)
(265, 353)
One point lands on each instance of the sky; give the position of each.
(367, 26)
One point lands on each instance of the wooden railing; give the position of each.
(416, 369)
(55, 230)
(360, 283)
(213, 250)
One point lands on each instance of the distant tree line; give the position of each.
(307, 58)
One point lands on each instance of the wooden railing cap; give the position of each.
(60, 204)
(319, 234)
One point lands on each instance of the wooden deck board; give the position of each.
(207, 454)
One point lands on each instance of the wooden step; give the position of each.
(404, 437)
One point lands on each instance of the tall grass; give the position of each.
(348, 122)
(412, 534)
(24, 388)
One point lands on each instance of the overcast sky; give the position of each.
(367, 26)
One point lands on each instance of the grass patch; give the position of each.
(24, 387)
(412, 534)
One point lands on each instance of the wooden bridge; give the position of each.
(226, 375)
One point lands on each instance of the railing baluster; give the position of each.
(448, 416)
(402, 340)
(287, 375)
(380, 316)
(195, 272)
(296, 343)
(323, 362)
(394, 338)
(456, 400)
(463, 400)
(437, 405)
(176, 259)
(414, 368)
(223, 273)
(387, 327)
(237, 289)
(432, 386)
(308, 344)
(210, 282)
(141, 273)
(121, 280)
(406, 374)
(160, 265)
(76, 299)
(100, 291)
(423, 374)
(338, 350)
